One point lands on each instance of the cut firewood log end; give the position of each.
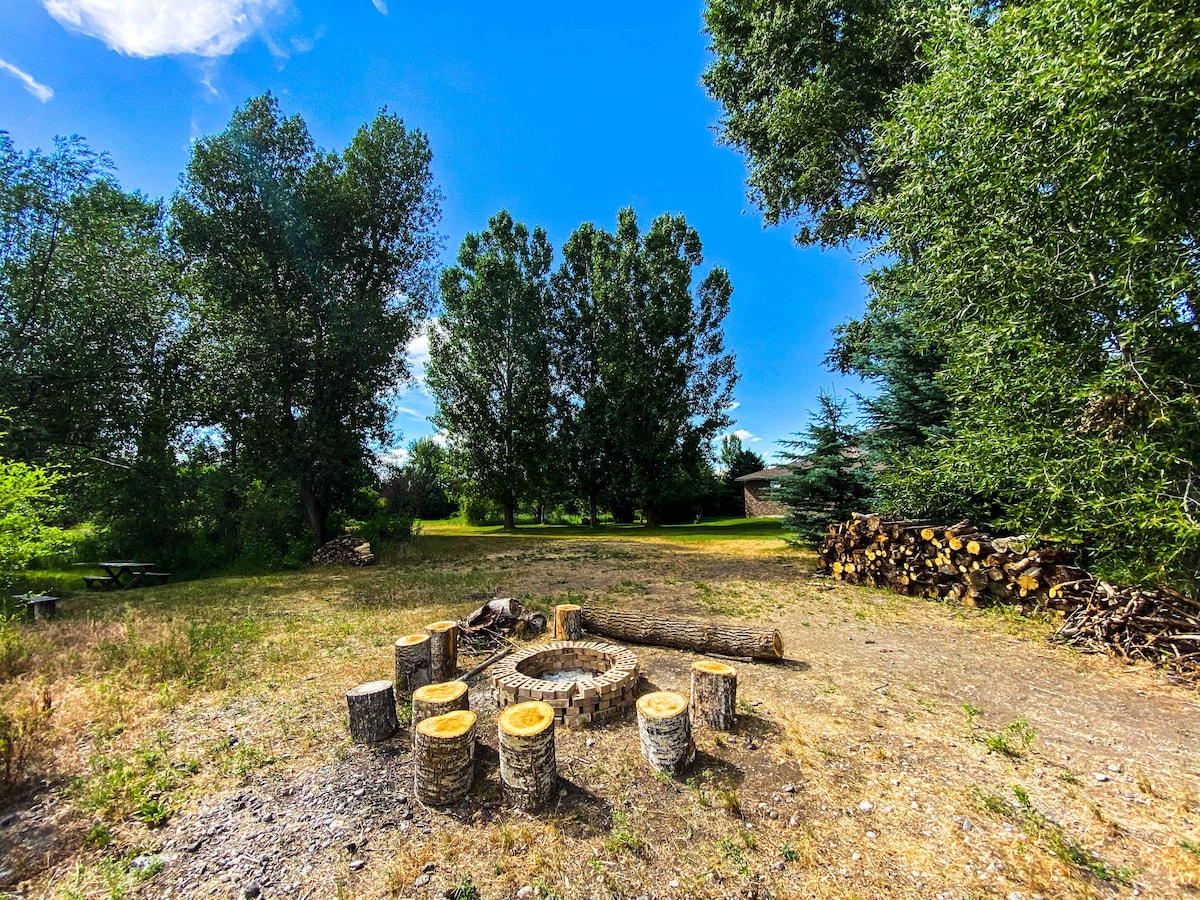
(662, 704)
(443, 692)
(526, 719)
(448, 725)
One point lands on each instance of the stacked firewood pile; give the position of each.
(958, 563)
(961, 564)
(346, 550)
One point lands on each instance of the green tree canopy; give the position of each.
(830, 480)
(489, 367)
(314, 270)
(1047, 225)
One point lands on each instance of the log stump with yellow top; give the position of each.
(438, 699)
(443, 650)
(714, 694)
(412, 663)
(444, 757)
(372, 712)
(665, 731)
(528, 768)
(568, 622)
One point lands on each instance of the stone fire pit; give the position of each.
(583, 681)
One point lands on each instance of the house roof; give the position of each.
(770, 473)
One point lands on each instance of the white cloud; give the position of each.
(392, 456)
(148, 28)
(417, 352)
(381, 6)
(745, 436)
(39, 90)
(732, 406)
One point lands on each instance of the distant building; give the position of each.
(759, 490)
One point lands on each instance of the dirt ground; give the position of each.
(902, 749)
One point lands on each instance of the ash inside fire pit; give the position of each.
(583, 681)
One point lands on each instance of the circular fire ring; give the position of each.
(583, 681)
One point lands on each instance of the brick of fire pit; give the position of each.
(601, 695)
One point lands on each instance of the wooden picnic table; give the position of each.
(122, 574)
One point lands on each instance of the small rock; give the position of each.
(673, 883)
(525, 892)
(856, 856)
(778, 866)
(590, 742)
(751, 744)
(1114, 767)
(871, 835)
(794, 822)
(788, 788)
(966, 825)
(252, 890)
(194, 846)
(420, 881)
(1101, 777)
(866, 806)
(356, 864)
(143, 862)
(428, 868)
(772, 814)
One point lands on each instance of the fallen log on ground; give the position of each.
(684, 634)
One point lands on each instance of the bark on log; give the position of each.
(568, 622)
(528, 768)
(444, 758)
(714, 694)
(438, 699)
(685, 634)
(665, 731)
(372, 712)
(443, 650)
(412, 663)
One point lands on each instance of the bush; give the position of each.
(24, 721)
(481, 511)
(386, 528)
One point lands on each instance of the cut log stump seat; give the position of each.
(372, 712)
(665, 731)
(443, 650)
(412, 663)
(444, 757)
(528, 767)
(568, 622)
(438, 699)
(714, 694)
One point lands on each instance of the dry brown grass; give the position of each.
(198, 690)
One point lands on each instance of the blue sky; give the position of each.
(561, 113)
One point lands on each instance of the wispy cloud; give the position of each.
(148, 28)
(380, 5)
(35, 87)
(746, 436)
(732, 406)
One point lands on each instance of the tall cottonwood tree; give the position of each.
(666, 377)
(314, 271)
(490, 361)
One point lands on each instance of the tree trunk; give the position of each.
(372, 712)
(528, 767)
(651, 513)
(568, 622)
(714, 694)
(444, 758)
(316, 514)
(685, 634)
(593, 511)
(412, 663)
(510, 516)
(665, 731)
(443, 650)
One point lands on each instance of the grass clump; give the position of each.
(1040, 827)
